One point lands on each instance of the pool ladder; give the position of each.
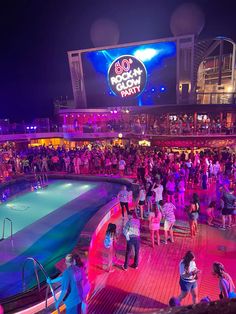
(3, 229)
(37, 264)
(42, 179)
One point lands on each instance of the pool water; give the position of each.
(46, 225)
(31, 206)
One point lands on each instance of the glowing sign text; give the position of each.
(127, 76)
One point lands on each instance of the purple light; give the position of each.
(115, 111)
(35, 127)
(31, 127)
(27, 127)
(112, 111)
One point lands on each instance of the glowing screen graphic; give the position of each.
(127, 76)
(133, 75)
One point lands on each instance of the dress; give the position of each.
(154, 222)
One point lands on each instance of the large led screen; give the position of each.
(134, 75)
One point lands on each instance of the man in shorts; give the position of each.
(168, 212)
(229, 200)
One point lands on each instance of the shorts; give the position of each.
(170, 192)
(168, 225)
(141, 203)
(187, 286)
(227, 211)
(194, 216)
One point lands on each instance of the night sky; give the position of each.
(36, 34)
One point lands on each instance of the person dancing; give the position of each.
(188, 277)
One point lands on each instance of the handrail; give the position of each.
(3, 229)
(36, 264)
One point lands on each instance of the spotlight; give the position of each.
(115, 111)
(146, 54)
(163, 89)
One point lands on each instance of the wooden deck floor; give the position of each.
(156, 280)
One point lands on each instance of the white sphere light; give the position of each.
(104, 32)
(187, 19)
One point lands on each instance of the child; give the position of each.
(210, 213)
(109, 244)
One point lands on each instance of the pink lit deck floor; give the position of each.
(151, 286)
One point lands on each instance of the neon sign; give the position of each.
(127, 76)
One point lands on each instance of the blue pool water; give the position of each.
(31, 206)
(46, 226)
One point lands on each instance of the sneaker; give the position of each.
(165, 242)
(125, 269)
(133, 266)
(222, 228)
(111, 270)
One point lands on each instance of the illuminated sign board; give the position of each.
(127, 76)
(142, 74)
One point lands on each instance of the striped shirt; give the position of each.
(168, 212)
(132, 228)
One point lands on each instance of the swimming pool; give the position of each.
(46, 226)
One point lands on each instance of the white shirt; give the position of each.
(142, 195)
(185, 275)
(123, 196)
(158, 193)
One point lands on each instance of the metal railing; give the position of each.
(37, 264)
(11, 229)
(216, 98)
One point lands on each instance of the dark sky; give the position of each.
(36, 34)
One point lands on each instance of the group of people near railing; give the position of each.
(156, 127)
(139, 124)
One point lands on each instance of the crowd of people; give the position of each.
(197, 168)
(156, 170)
(161, 192)
(163, 176)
